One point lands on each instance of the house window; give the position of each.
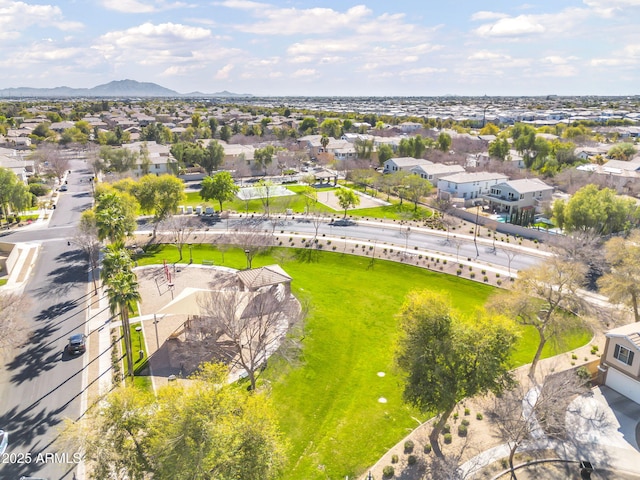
(623, 354)
(157, 166)
(521, 196)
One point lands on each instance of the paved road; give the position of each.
(460, 246)
(41, 385)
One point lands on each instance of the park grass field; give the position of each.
(341, 407)
(299, 203)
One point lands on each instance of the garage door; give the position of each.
(623, 384)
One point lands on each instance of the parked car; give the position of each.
(63, 188)
(77, 344)
(4, 441)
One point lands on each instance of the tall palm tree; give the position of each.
(324, 141)
(122, 290)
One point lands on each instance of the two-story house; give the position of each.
(435, 171)
(468, 188)
(403, 163)
(620, 361)
(519, 199)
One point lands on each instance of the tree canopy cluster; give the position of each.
(201, 430)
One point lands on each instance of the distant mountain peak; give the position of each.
(126, 88)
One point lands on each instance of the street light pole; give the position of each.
(140, 350)
(247, 252)
(475, 232)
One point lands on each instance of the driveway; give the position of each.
(605, 430)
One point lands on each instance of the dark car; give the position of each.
(77, 344)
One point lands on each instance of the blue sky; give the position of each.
(345, 48)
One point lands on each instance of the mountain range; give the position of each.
(114, 89)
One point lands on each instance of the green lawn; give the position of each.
(299, 203)
(328, 407)
(139, 363)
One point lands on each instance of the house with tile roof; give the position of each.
(620, 361)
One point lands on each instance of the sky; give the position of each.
(326, 48)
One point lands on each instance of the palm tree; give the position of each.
(122, 290)
(324, 141)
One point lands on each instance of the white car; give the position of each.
(4, 441)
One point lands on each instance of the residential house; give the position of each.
(435, 171)
(520, 200)
(159, 159)
(233, 152)
(468, 188)
(620, 361)
(403, 163)
(410, 127)
(17, 162)
(622, 176)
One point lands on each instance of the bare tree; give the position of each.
(529, 414)
(181, 230)
(247, 327)
(52, 159)
(545, 297)
(86, 237)
(13, 326)
(251, 238)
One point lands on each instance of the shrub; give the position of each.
(427, 448)
(485, 278)
(462, 430)
(472, 275)
(483, 272)
(465, 422)
(412, 459)
(446, 429)
(394, 458)
(447, 438)
(455, 416)
(574, 356)
(458, 272)
(479, 416)
(408, 446)
(388, 471)
(467, 411)
(38, 189)
(499, 282)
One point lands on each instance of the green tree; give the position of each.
(14, 195)
(542, 298)
(225, 133)
(264, 156)
(444, 142)
(413, 147)
(219, 187)
(622, 151)
(499, 148)
(332, 127)
(115, 215)
(621, 284)
(385, 152)
(203, 429)
(213, 157)
(446, 358)
(308, 126)
(160, 196)
(597, 210)
(347, 199)
(489, 129)
(364, 148)
(415, 188)
(118, 160)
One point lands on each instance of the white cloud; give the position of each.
(484, 55)
(224, 72)
(424, 71)
(293, 21)
(485, 15)
(136, 6)
(16, 17)
(511, 27)
(608, 8)
(304, 72)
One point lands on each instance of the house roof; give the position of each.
(264, 276)
(409, 161)
(439, 168)
(631, 332)
(473, 177)
(526, 185)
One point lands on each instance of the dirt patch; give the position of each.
(328, 198)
